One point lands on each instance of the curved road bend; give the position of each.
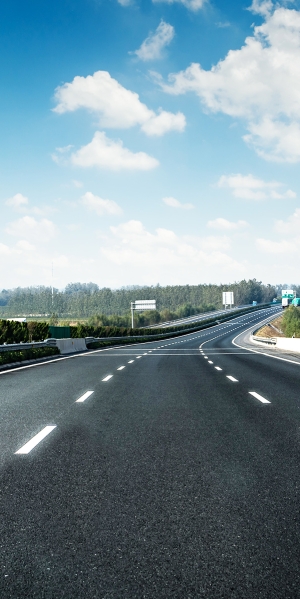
(167, 479)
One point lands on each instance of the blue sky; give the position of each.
(147, 142)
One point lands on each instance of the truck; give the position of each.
(285, 302)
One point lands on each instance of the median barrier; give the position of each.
(70, 346)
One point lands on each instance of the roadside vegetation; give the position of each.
(290, 323)
(81, 301)
(9, 357)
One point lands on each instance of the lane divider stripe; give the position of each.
(259, 397)
(84, 397)
(231, 378)
(109, 376)
(35, 440)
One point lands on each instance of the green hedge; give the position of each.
(8, 357)
(12, 331)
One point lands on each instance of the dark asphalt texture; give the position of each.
(170, 481)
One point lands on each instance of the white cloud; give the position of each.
(261, 7)
(153, 45)
(176, 204)
(100, 206)
(163, 254)
(278, 247)
(193, 5)
(287, 237)
(248, 187)
(125, 2)
(29, 228)
(17, 201)
(291, 226)
(116, 106)
(225, 225)
(259, 83)
(4, 249)
(105, 153)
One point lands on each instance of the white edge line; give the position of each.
(35, 440)
(261, 352)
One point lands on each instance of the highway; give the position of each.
(166, 470)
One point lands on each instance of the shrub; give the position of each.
(291, 322)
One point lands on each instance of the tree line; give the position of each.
(84, 300)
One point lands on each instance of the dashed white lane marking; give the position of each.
(259, 397)
(130, 361)
(84, 397)
(121, 368)
(137, 357)
(205, 358)
(210, 362)
(109, 376)
(218, 368)
(35, 440)
(145, 354)
(231, 378)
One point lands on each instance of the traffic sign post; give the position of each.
(141, 306)
(228, 298)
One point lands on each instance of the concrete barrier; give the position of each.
(288, 343)
(69, 346)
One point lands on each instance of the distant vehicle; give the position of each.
(254, 303)
(285, 302)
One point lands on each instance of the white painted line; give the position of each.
(121, 368)
(210, 362)
(137, 357)
(84, 397)
(259, 397)
(218, 368)
(109, 376)
(35, 440)
(145, 354)
(130, 361)
(205, 358)
(231, 378)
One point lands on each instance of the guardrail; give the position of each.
(266, 340)
(154, 337)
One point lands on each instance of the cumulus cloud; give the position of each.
(105, 153)
(287, 237)
(161, 252)
(30, 229)
(225, 225)
(17, 201)
(193, 5)
(261, 7)
(258, 83)
(291, 226)
(99, 205)
(248, 187)
(153, 45)
(116, 106)
(173, 203)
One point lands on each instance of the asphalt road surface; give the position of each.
(176, 475)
